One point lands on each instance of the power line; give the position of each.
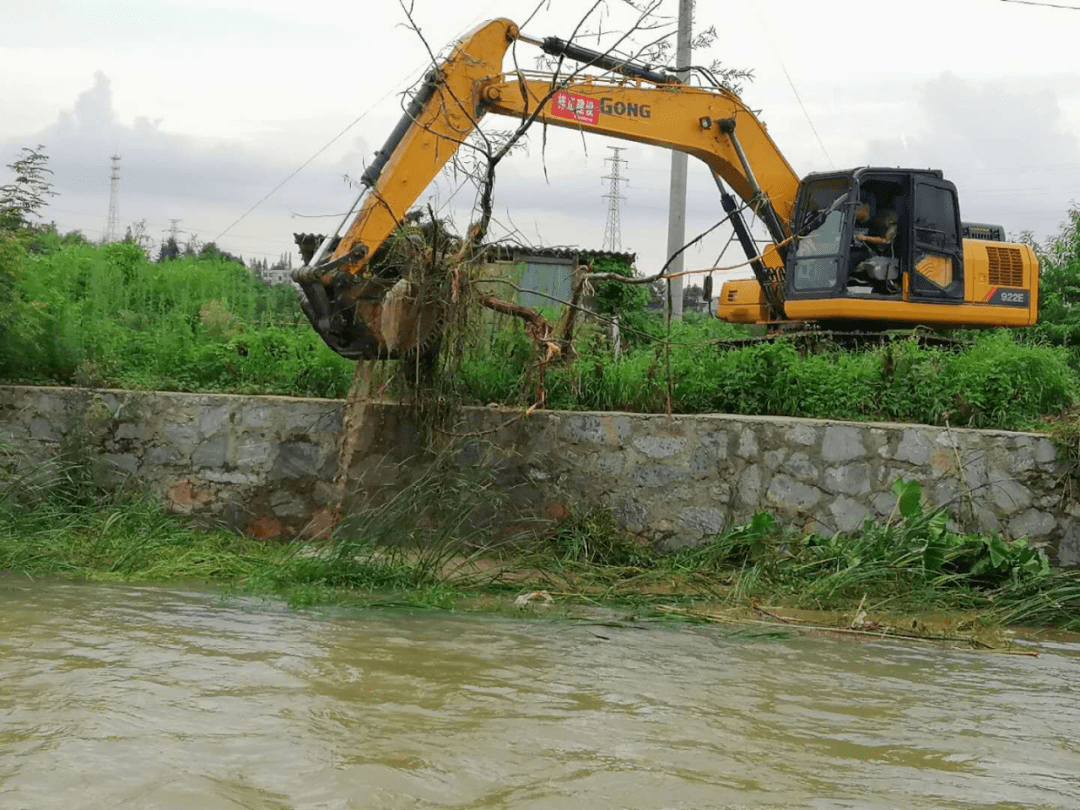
(292, 174)
(1044, 5)
(307, 162)
(317, 216)
(806, 113)
(798, 98)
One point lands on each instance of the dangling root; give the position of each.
(355, 414)
(539, 329)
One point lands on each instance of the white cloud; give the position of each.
(212, 103)
(1006, 143)
(206, 182)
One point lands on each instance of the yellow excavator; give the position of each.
(868, 248)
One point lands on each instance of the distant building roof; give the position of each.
(508, 252)
(502, 251)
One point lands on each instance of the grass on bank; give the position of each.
(56, 519)
(909, 563)
(993, 381)
(104, 315)
(84, 314)
(440, 542)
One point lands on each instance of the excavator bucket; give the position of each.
(392, 313)
(379, 293)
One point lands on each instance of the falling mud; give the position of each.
(357, 406)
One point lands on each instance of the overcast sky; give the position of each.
(212, 103)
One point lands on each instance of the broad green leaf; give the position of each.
(999, 552)
(909, 494)
(936, 525)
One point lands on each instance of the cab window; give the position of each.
(935, 219)
(819, 234)
(938, 260)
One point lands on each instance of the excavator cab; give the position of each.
(885, 248)
(892, 234)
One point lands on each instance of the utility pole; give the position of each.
(112, 229)
(613, 228)
(677, 197)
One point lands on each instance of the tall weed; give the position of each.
(912, 556)
(57, 517)
(104, 315)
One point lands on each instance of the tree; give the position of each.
(211, 251)
(22, 200)
(438, 270)
(137, 235)
(169, 250)
(1059, 284)
(482, 151)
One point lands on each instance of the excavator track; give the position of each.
(820, 339)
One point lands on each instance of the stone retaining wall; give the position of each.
(265, 463)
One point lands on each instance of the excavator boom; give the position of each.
(628, 102)
(710, 124)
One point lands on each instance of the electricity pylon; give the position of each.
(112, 229)
(613, 227)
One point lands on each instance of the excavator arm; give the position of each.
(712, 125)
(630, 103)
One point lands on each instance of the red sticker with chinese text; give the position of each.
(573, 107)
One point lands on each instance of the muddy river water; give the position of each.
(128, 697)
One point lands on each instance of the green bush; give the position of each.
(591, 536)
(1059, 286)
(105, 315)
(614, 298)
(911, 556)
(494, 368)
(12, 259)
(995, 381)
